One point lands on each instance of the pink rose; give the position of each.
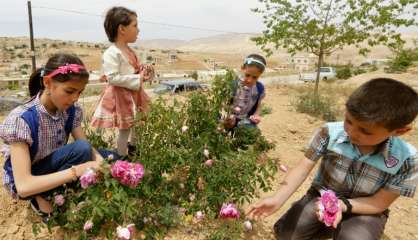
(129, 174)
(123, 233)
(248, 226)
(209, 162)
(59, 200)
(237, 109)
(119, 168)
(88, 178)
(192, 197)
(88, 225)
(184, 128)
(199, 215)
(328, 207)
(131, 228)
(229, 211)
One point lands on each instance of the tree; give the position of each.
(324, 26)
(194, 75)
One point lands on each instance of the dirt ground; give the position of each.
(291, 131)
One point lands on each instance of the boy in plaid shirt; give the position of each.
(363, 160)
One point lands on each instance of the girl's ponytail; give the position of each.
(35, 82)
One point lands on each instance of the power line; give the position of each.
(144, 21)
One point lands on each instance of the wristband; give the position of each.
(347, 204)
(74, 173)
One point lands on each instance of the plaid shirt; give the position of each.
(393, 166)
(51, 133)
(246, 98)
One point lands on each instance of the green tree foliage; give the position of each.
(323, 26)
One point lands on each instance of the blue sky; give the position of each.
(222, 15)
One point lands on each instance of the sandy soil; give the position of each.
(291, 131)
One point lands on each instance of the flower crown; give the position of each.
(66, 69)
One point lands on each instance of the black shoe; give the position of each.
(35, 207)
(131, 150)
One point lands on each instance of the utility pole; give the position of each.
(32, 45)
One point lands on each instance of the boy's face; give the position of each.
(366, 134)
(250, 75)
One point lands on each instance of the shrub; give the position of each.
(178, 182)
(344, 72)
(317, 106)
(373, 68)
(359, 71)
(13, 85)
(403, 59)
(194, 75)
(265, 110)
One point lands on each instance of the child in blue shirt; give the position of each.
(38, 158)
(248, 93)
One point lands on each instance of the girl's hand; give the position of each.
(229, 122)
(255, 118)
(103, 78)
(82, 168)
(147, 73)
(262, 209)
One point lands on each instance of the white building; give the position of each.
(209, 75)
(302, 62)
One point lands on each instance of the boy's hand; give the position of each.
(339, 214)
(255, 118)
(263, 208)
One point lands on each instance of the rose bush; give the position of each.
(185, 165)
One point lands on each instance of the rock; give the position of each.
(22, 94)
(293, 131)
(8, 103)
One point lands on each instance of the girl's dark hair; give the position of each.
(115, 17)
(36, 80)
(258, 58)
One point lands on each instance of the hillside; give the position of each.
(226, 50)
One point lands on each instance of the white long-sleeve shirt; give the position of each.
(118, 70)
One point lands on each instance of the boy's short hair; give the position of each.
(384, 101)
(255, 60)
(114, 17)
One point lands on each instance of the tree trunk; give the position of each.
(320, 62)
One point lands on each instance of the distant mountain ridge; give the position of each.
(242, 44)
(225, 43)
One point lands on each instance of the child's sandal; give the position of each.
(35, 207)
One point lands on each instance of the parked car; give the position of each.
(181, 85)
(325, 73)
